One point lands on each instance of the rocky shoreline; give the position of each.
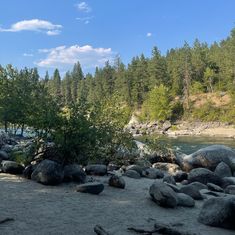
(176, 182)
(206, 129)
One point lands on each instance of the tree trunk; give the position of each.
(22, 130)
(5, 126)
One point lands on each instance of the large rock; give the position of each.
(74, 172)
(28, 170)
(180, 176)
(136, 168)
(169, 179)
(153, 173)
(11, 167)
(185, 200)
(48, 172)
(3, 155)
(132, 174)
(204, 176)
(230, 189)
(199, 186)
(92, 188)
(228, 181)
(163, 195)
(214, 187)
(219, 212)
(96, 169)
(223, 170)
(117, 182)
(209, 158)
(191, 191)
(170, 168)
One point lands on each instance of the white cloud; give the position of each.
(85, 20)
(88, 56)
(83, 6)
(149, 35)
(34, 25)
(53, 32)
(28, 55)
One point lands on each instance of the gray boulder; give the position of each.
(163, 195)
(218, 212)
(153, 173)
(132, 174)
(185, 200)
(96, 169)
(214, 187)
(169, 179)
(223, 170)
(209, 158)
(92, 188)
(170, 168)
(73, 172)
(204, 176)
(228, 181)
(28, 170)
(230, 189)
(199, 186)
(117, 182)
(174, 187)
(180, 176)
(48, 172)
(11, 167)
(3, 155)
(191, 191)
(136, 168)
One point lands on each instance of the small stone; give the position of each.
(230, 189)
(92, 188)
(117, 181)
(214, 187)
(132, 174)
(185, 200)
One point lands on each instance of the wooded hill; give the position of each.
(160, 87)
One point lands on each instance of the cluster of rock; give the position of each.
(177, 129)
(207, 173)
(148, 128)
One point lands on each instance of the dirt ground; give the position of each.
(38, 209)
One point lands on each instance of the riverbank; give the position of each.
(38, 209)
(183, 128)
(212, 129)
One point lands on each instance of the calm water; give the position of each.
(190, 144)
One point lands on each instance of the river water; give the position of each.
(190, 144)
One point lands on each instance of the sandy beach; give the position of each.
(38, 209)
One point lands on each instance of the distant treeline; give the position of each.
(158, 87)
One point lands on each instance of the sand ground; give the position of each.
(39, 209)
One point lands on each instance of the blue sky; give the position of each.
(49, 33)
